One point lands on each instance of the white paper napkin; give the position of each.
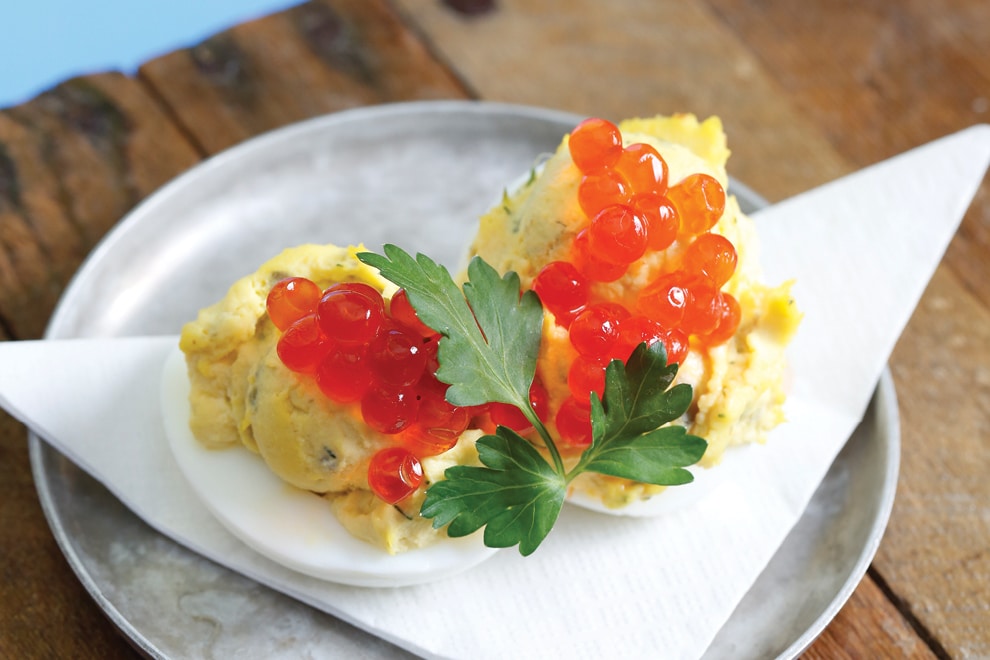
(862, 250)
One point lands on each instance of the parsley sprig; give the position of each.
(488, 351)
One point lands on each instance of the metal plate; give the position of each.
(429, 169)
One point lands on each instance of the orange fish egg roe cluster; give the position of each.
(363, 349)
(377, 354)
(632, 210)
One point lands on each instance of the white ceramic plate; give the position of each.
(418, 174)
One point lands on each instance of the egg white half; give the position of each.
(674, 498)
(292, 527)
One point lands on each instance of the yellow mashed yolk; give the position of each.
(242, 394)
(738, 385)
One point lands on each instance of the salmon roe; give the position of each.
(595, 144)
(633, 210)
(378, 356)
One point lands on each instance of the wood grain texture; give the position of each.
(633, 58)
(315, 58)
(45, 612)
(936, 553)
(73, 161)
(869, 626)
(880, 78)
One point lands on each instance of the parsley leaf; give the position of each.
(491, 339)
(517, 497)
(627, 439)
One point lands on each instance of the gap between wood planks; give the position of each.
(904, 609)
(149, 86)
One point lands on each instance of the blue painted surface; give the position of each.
(43, 42)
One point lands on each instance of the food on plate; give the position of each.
(467, 404)
(288, 525)
(255, 382)
(627, 235)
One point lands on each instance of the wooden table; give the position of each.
(807, 91)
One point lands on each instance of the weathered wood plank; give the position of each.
(936, 553)
(315, 58)
(45, 612)
(40, 245)
(869, 626)
(73, 161)
(879, 78)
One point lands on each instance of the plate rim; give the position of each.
(885, 391)
(54, 328)
(886, 394)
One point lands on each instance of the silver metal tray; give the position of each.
(416, 174)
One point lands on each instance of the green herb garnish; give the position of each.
(491, 339)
